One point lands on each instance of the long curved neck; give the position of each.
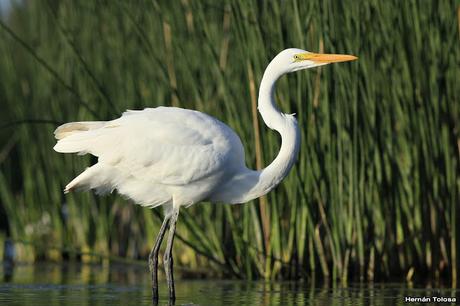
(285, 125)
(247, 184)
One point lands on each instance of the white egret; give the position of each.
(177, 157)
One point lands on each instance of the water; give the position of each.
(53, 284)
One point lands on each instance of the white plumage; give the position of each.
(154, 155)
(177, 157)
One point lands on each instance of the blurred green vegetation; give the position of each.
(376, 189)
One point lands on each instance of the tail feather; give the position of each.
(98, 177)
(73, 137)
(76, 127)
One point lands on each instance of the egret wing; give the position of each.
(163, 145)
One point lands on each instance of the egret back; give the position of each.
(155, 155)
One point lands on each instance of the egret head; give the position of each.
(293, 59)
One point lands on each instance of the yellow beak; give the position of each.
(325, 58)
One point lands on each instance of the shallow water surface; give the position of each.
(48, 284)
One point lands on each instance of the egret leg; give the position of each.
(153, 258)
(168, 260)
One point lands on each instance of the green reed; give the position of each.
(376, 188)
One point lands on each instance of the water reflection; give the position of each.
(48, 284)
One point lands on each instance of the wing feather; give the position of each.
(164, 145)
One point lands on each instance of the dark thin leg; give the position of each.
(168, 260)
(153, 258)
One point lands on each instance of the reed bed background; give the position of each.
(376, 189)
